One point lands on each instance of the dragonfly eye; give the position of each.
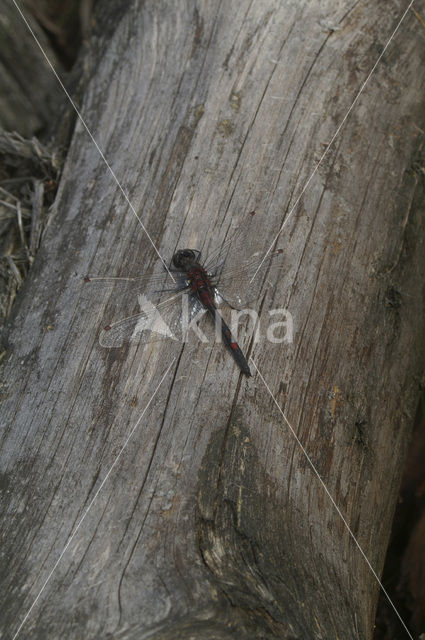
(183, 258)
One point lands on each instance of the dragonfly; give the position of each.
(207, 285)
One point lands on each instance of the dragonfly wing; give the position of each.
(169, 319)
(154, 322)
(153, 284)
(240, 255)
(239, 286)
(217, 259)
(193, 312)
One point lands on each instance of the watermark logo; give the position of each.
(276, 326)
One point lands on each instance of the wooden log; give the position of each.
(211, 523)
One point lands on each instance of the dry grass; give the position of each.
(28, 175)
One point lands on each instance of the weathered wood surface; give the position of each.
(212, 524)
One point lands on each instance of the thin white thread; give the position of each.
(338, 510)
(265, 384)
(332, 140)
(91, 504)
(93, 139)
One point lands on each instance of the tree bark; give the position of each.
(212, 523)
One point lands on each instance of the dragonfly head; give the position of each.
(184, 259)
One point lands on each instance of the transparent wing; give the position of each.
(257, 266)
(240, 288)
(149, 284)
(241, 267)
(238, 268)
(154, 322)
(238, 238)
(217, 258)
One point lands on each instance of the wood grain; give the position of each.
(212, 523)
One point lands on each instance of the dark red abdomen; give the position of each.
(201, 286)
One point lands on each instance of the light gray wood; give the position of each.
(212, 524)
